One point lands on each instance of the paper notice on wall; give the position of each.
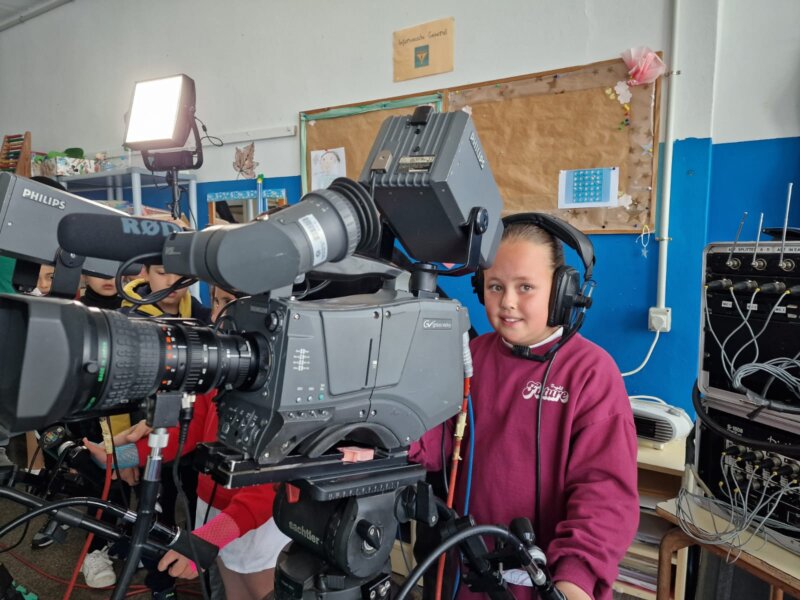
(424, 50)
(588, 188)
(327, 165)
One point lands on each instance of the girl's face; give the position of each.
(516, 291)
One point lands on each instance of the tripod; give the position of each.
(342, 517)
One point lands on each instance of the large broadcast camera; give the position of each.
(297, 377)
(386, 366)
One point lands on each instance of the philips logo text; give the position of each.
(437, 324)
(43, 198)
(473, 139)
(149, 228)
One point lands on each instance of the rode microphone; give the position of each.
(114, 237)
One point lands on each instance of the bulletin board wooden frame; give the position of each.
(352, 127)
(531, 127)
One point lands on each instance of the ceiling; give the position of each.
(14, 12)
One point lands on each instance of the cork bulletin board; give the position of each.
(531, 127)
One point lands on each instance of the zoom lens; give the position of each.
(62, 360)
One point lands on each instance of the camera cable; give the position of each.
(105, 425)
(27, 523)
(546, 590)
(468, 491)
(701, 410)
(185, 419)
(458, 435)
(149, 486)
(154, 297)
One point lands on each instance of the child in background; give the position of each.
(45, 281)
(238, 521)
(177, 304)
(587, 510)
(101, 292)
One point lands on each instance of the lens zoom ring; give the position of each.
(194, 360)
(133, 370)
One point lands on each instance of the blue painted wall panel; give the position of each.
(753, 177)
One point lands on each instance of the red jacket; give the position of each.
(249, 507)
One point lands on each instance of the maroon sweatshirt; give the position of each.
(589, 509)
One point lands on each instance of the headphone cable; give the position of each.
(539, 442)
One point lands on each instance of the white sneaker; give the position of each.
(98, 570)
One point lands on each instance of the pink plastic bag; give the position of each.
(644, 65)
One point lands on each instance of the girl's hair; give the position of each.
(527, 232)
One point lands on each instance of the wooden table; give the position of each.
(767, 561)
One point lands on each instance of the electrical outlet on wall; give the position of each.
(659, 319)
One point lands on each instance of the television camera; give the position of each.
(296, 377)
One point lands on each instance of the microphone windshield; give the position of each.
(114, 237)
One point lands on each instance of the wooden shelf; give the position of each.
(643, 550)
(766, 555)
(671, 459)
(633, 590)
(660, 475)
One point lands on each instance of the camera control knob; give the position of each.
(91, 368)
(274, 321)
(370, 533)
(481, 220)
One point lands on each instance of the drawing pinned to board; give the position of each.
(327, 165)
(244, 163)
(588, 188)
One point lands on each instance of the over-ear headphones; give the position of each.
(567, 293)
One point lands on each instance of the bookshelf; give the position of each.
(15, 154)
(660, 476)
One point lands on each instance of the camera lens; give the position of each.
(69, 361)
(149, 355)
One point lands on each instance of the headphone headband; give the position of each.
(570, 235)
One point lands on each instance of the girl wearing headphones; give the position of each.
(554, 433)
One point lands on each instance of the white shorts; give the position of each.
(256, 550)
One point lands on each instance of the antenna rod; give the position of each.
(788, 265)
(731, 262)
(754, 262)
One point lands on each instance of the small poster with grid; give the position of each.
(588, 188)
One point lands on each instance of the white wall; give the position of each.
(67, 76)
(758, 69)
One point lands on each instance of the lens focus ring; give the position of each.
(134, 362)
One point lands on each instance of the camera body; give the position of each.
(356, 367)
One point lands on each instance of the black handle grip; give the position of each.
(206, 551)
